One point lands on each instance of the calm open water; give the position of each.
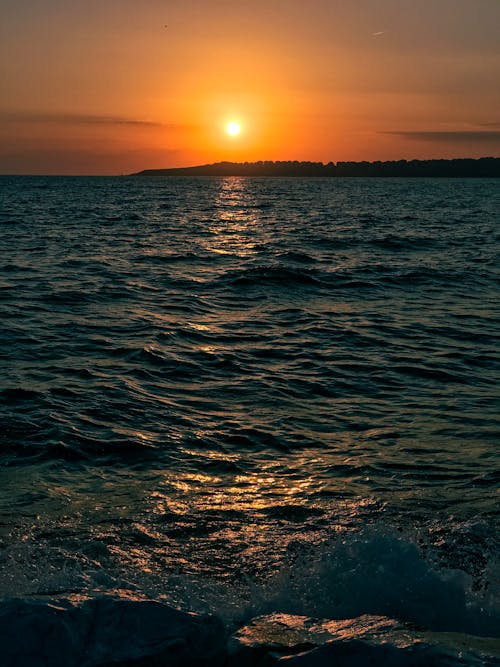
(253, 393)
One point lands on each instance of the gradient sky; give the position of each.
(114, 86)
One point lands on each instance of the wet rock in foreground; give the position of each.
(107, 632)
(120, 631)
(299, 641)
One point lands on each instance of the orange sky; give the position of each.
(115, 86)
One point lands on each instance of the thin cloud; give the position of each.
(73, 119)
(380, 32)
(450, 136)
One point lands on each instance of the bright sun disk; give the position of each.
(233, 128)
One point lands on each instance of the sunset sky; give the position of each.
(115, 86)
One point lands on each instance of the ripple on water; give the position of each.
(199, 374)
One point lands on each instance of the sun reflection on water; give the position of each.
(262, 489)
(235, 226)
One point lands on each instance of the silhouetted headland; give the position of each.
(486, 167)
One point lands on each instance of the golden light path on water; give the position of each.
(272, 443)
(236, 228)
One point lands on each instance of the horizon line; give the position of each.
(315, 163)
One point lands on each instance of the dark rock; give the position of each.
(37, 634)
(107, 631)
(299, 641)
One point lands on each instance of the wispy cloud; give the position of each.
(380, 32)
(451, 136)
(73, 119)
(494, 124)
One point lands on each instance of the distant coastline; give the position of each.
(486, 167)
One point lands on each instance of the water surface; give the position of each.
(244, 391)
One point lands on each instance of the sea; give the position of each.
(253, 395)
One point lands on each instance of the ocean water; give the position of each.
(246, 395)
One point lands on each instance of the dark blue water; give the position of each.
(226, 392)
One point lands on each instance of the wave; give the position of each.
(271, 274)
(16, 394)
(372, 571)
(358, 575)
(441, 586)
(295, 256)
(374, 276)
(404, 243)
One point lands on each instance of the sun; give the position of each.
(233, 128)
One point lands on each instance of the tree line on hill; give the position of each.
(486, 167)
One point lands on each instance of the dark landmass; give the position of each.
(485, 167)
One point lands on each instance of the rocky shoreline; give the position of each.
(123, 631)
